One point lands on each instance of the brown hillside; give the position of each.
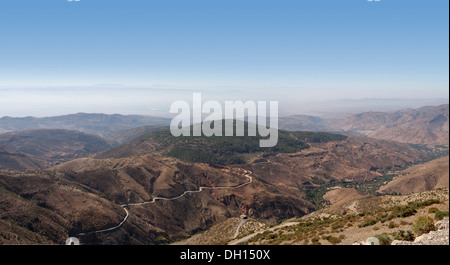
(342, 195)
(428, 176)
(53, 146)
(86, 195)
(16, 160)
(426, 125)
(355, 159)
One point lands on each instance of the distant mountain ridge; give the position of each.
(425, 125)
(51, 146)
(93, 123)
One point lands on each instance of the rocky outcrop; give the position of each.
(439, 237)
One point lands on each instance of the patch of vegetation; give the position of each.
(371, 187)
(392, 225)
(318, 181)
(222, 149)
(318, 137)
(368, 222)
(400, 211)
(404, 235)
(397, 211)
(315, 195)
(311, 231)
(431, 152)
(162, 240)
(203, 156)
(439, 215)
(384, 239)
(433, 210)
(226, 150)
(333, 240)
(423, 225)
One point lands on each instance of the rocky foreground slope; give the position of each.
(386, 218)
(439, 237)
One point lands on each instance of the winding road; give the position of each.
(125, 206)
(239, 227)
(248, 237)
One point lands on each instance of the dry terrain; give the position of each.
(15, 160)
(86, 195)
(425, 125)
(340, 225)
(52, 146)
(427, 176)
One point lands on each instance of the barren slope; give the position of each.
(87, 194)
(425, 125)
(53, 146)
(16, 160)
(428, 176)
(355, 159)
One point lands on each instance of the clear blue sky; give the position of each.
(300, 49)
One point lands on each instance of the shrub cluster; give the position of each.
(439, 215)
(384, 239)
(404, 235)
(423, 225)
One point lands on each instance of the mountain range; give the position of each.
(53, 146)
(141, 185)
(91, 123)
(425, 125)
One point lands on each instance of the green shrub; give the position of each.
(400, 211)
(336, 226)
(421, 204)
(368, 222)
(333, 240)
(423, 225)
(439, 215)
(404, 235)
(433, 210)
(384, 239)
(408, 212)
(364, 214)
(392, 225)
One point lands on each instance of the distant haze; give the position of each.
(45, 102)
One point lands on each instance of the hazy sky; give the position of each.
(133, 55)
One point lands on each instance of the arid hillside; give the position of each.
(423, 177)
(355, 159)
(387, 218)
(87, 195)
(425, 125)
(53, 146)
(16, 160)
(159, 189)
